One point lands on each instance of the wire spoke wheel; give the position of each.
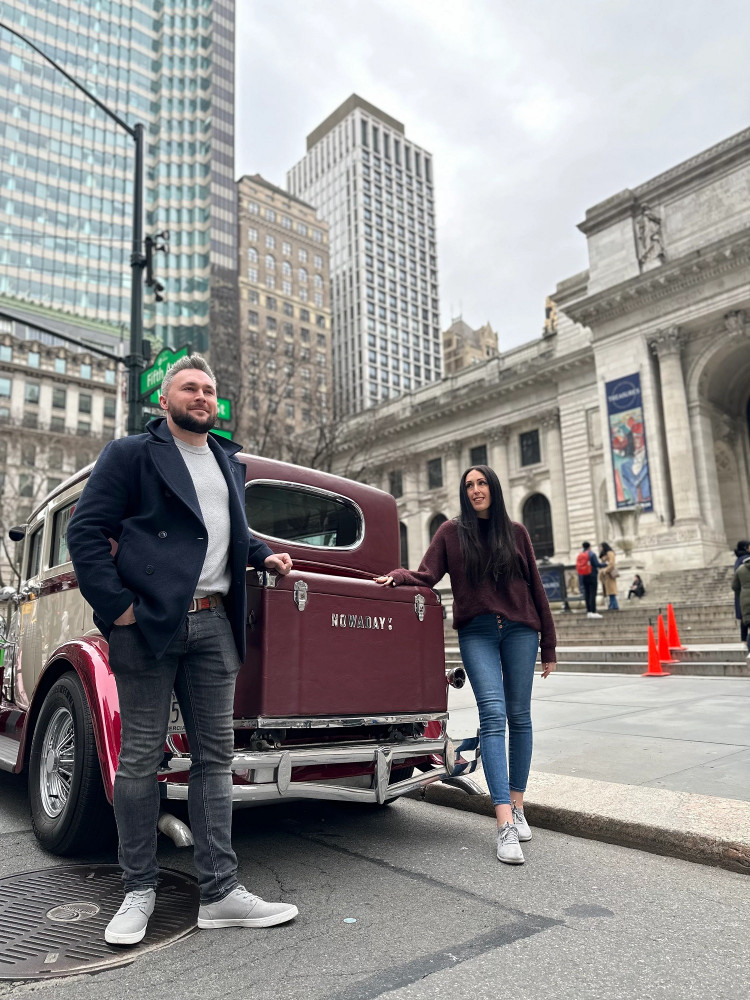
(58, 752)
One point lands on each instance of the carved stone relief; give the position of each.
(648, 238)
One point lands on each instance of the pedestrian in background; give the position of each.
(587, 567)
(741, 588)
(636, 587)
(608, 575)
(499, 609)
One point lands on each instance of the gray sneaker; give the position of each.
(508, 848)
(519, 822)
(128, 926)
(241, 909)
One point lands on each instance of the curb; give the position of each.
(675, 824)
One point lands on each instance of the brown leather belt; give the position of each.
(203, 603)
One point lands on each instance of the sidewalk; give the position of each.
(662, 764)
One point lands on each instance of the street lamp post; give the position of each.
(134, 360)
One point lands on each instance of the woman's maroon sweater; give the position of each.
(522, 600)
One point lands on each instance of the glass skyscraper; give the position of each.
(374, 187)
(66, 169)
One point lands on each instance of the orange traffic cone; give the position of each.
(664, 655)
(654, 663)
(672, 634)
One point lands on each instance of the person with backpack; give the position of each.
(587, 567)
(741, 588)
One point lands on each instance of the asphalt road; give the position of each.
(436, 915)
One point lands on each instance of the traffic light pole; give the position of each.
(134, 361)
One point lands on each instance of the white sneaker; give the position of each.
(519, 822)
(241, 909)
(508, 849)
(128, 926)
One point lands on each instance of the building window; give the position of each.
(252, 274)
(252, 255)
(320, 321)
(30, 420)
(286, 222)
(537, 519)
(303, 276)
(478, 455)
(270, 215)
(253, 295)
(304, 315)
(28, 454)
(270, 262)
(302, 254)
(529, 443)
(435, 523)
(58, 398)
(26, 485)
(6, 352)
(6, 386)
(32, 392)
(85, 370)
(60, 366)
(270, 323)
(253, 207)
(252, 317)
(84, 403)
(396, 483)
(110, 404)
(57, 425)
(286, 249)
(270, 241)
(252, 235)
(435, 473)
(110, 376)
(288, 309)
(286, 269)
(84, 428)
(55, 458)
(271, 303)
(33, 359)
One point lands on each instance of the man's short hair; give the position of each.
(193, 361)
(586, 545)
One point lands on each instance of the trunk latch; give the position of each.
(300, 594)
(419, 607)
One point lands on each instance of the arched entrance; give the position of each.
(537, 519)
(719, 400)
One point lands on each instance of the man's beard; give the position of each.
(188, 420)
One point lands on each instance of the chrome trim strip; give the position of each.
(337, 722)
(8, 753)
(316, 491)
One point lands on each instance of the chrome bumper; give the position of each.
(281, 762)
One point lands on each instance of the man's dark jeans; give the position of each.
(201, 664)
(588, 587)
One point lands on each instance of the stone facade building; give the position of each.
(284, 401)
(629, 419)
(463, 346)
(59, 405)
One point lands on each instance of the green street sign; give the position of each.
(152, 378)
(221, 433)
(224, 407)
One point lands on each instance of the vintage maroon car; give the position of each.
(342, 694)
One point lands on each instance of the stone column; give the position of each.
(667, 346)
(708, 481)
(558, 496)
(451, 473)
(498, 455)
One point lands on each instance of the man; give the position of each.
(172, 603)
(587, 567)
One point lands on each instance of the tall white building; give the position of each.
(375, 189)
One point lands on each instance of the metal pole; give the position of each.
(134, 360)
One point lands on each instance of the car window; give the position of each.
(302, 515)
(35, 553)
(60, 535)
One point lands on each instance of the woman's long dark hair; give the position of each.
(498, 558)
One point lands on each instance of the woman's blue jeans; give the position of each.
(499, 657)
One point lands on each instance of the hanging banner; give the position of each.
(627, 437)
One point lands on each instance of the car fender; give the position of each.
(89, 657)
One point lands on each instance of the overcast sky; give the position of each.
(534, 110)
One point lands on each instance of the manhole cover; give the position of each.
(52, 921)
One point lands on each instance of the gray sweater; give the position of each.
(213, 497)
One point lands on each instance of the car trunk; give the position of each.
(322, 645)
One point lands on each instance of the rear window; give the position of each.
(302, 515)
(35, 553)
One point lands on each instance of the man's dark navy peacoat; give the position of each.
(140, 494)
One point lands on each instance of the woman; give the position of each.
(608, 575)
(499, 608)
(636, 587)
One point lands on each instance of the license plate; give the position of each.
(176, 725)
